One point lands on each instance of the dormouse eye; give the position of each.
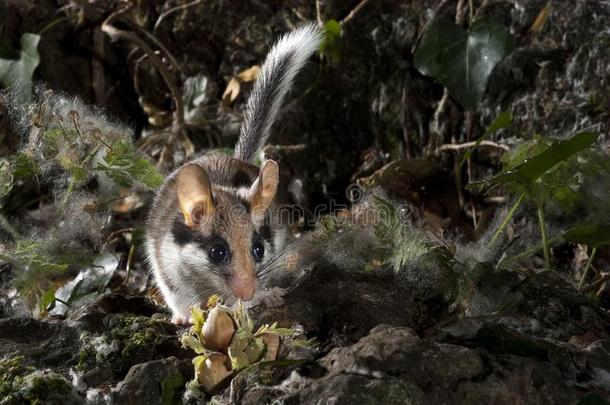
(218, 254)
(258, 251)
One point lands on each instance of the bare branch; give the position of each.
(319, 13)
(354, 12)
(459, 146)
(178, 126)
(172, 10)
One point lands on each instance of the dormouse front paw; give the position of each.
(274, 297)
(180, 320)
(269, 298)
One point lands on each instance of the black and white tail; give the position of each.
(283, 62)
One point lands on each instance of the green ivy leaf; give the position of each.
(531, 169)
(593, 236)
(18, 72)
(463, 60)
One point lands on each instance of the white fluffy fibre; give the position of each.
(283, 62)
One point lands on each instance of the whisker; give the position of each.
(272, 265)
(209, 291)
(277, 256)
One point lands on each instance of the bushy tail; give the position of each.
(283, 62)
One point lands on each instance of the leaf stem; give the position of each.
(589, 262)
(528, 252)
(51, 25)
(132, 249)
(508, 217)
(545, 243)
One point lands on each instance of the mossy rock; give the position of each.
(40, 388)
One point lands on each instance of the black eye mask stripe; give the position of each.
(184, 235)
(241, 179)
(246, 204)
(264, 233)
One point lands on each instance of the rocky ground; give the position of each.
(550, 344)
(424, 334)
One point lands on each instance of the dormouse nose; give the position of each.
(244, 286)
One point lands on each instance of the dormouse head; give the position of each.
(225, 231)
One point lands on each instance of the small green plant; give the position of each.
(530, 175)
(85, 159)
(39, 264)
(402, 245)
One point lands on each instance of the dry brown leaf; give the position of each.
(232, 91)
(129, 203)
(249, 74)
(272, 343)
(156, 116)
(584, 340)
(541, 19)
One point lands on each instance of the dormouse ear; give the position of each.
(263, 190)
(194, 194)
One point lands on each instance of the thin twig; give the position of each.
(80, 135)
(289, 23)
(436, 120)
(172, 10)
(496, 199)
(594, 285)
(118, 232)
(178, 127)
(587, 267)
(479, 11)
(170, 57)
(403, 120)
(94, 133)
(459, 146)
(116, 33)
(507, 219)
(98, 77)
(354, 12)
(52, 24)
(425, 26)
(473, 207)
(504, 263)
(319, 13)
(132, 250)
(545, 244)
(459, 12)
